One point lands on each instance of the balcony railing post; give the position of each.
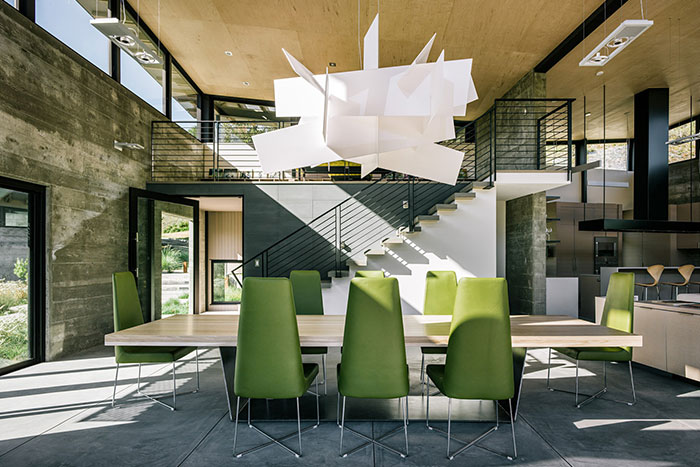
(538, 145)
(338, 219)
(568, 138)
(411, 203)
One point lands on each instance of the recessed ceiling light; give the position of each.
(587, 114)
(228, 53)
(246, 83)
(600, 73)
(331, 63)
(145, 57)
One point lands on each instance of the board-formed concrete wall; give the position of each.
(59, 117)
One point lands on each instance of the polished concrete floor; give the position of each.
(59, 413)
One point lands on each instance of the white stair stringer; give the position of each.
(462, 239)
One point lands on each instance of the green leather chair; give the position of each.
(127, 314)
(479, 362)
(375, 274)
(618, 313)
(440, 291)
(373, 363)
(268, 356)
(308, 300)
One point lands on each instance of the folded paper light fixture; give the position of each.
(127, 39)
(621, 37)
(377, 117)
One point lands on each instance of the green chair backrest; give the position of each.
(479, 362)
(373, 362)
(375, 274)
(440, 291)
(125, 300)
(126, 306)
(306, 286)
(268, 356)
(618, 312)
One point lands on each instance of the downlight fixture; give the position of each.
(621, 37)
(127, 39)
(228, 53)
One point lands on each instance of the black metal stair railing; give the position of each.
(351, 227)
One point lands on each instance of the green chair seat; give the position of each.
(152, 354)
(600, 354)
(434, 350)
(314, 350)
(268, 355)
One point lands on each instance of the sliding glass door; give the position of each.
(163, 252)
(22, 233)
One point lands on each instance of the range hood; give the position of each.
(650, 172)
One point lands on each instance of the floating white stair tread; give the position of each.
(429, 218)
(375, 252)
(442, 207)
(392, 241)
(461, 196)
(482, 185)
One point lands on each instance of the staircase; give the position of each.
(381, 212)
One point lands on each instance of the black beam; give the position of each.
(205, 114)
(583, 30)
(651, 154)
(242, 100)
(637, 225)
(581, 159)
(168, 86)
(27, 8)
(115, 64)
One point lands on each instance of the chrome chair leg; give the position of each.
(576, 383)
(449, 425)
(325, 381)
(271, 440)
(404, 412)
(174, 384)
(196, 360)
(634, 394)
(549, 367)
(114, 391)
(342, 428)
(373, 441)
(422, 372)
(512, 427)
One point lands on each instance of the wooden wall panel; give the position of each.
(225, 235)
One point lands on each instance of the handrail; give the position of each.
(305, 226)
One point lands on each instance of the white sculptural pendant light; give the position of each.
(377, 117)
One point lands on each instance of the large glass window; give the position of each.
(11, 2)
(184, 100)
(227, 280)
(69, 22)
(681, 152)
(143, 79)
(611, 155)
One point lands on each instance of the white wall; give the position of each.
(464, 241)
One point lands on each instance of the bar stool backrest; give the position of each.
(655, 272)
(686, 271)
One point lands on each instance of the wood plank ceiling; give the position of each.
(506, 38)
(666, 55)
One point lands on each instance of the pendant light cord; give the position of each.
(359, 42)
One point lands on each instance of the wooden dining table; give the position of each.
(214, 330)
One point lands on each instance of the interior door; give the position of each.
(164, 252)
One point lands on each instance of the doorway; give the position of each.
(163, 244)
(22, 273)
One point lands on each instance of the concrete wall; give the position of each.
(59, 116)
(679, 175)
(526, 253)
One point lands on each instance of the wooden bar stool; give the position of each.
(686, 271)
(655, 272)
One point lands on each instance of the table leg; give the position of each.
(519, 355)
(228, 365)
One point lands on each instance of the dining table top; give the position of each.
(221, 330)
